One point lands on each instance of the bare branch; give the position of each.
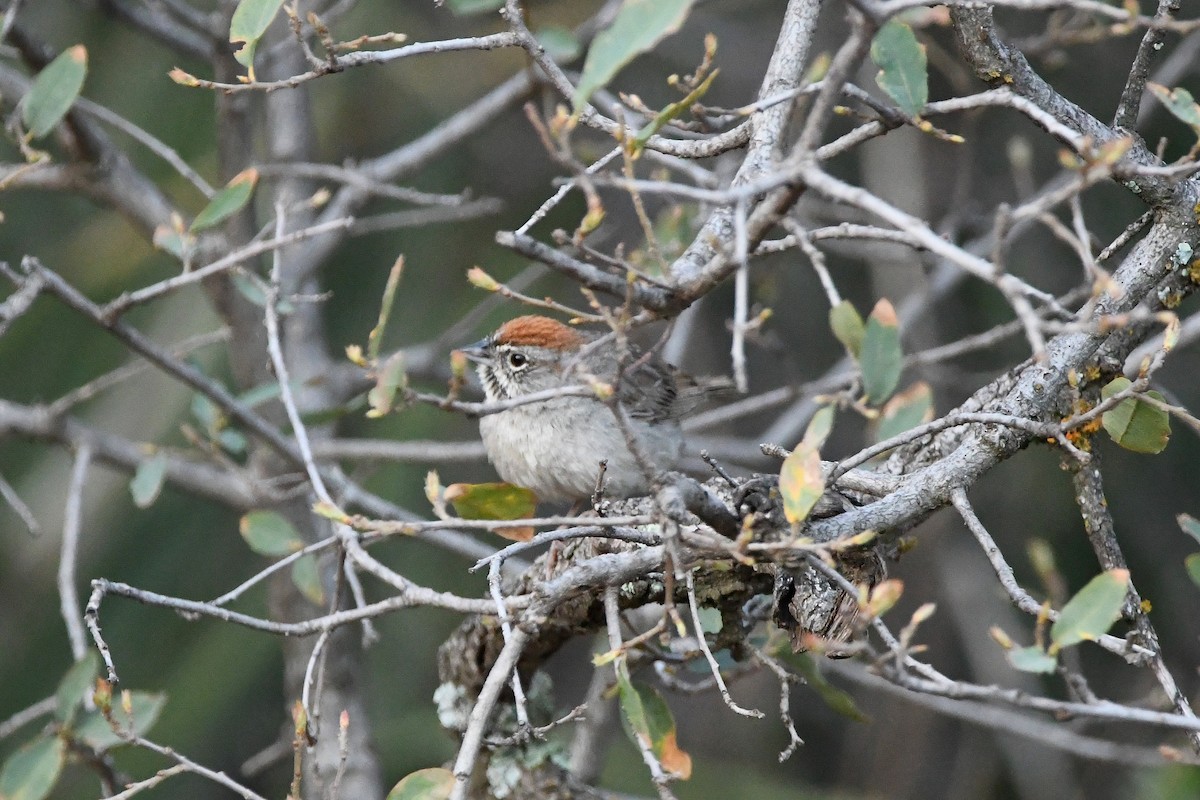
(68, 595)
(341, 62)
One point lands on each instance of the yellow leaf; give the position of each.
(1001, 638)
(884, 596)
(433, 488)
(494, 501)
(354, 352)
(674, 760)
(801, 483)
(481, 280)
(330, 512)
(801, 479)
(183, 78)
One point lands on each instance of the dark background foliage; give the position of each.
(226, 699)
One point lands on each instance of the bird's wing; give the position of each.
(649, 391)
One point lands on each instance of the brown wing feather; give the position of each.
(649, 392)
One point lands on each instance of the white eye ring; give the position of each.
(518, 360)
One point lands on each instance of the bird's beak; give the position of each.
(477, 352)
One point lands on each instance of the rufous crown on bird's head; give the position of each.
(537, 331)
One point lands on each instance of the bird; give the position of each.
(555, 447)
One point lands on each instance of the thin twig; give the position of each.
(149, 783)
(316, 661)
(369, 634)
(1039, 429)
(19, 506)
(506, 631)
(131, 299)
(498, 677)
(1139, 72)
(357, 59)
(698, 632)
(1028, 727)
(389, 527)
(415, 596)
(27, 715)
(548, 206)
(343, 754)
(741, 300)
(69, 552)
(191, 766)
(785, 692)
(564, 534)
(106, 381)
(1134, 653)
(612, 617)
(266, 572)
(153, 144)
(355, 177)
(1101, 532)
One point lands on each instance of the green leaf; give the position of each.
(631, 705)
(94, 729)
(206, 413)
(905, 411)
(1190, 525)
(710, 620)
(847, 325)
(1133, 424)
(881, 358)
(257, 395)
(227, 202)
(1192, 564)
(250, 289)
(491, 500)
(674, 228)
(269, 533)
(434, 783)
(1179, 101)
(1092, 611)
(148, 480)
(559, 43)
(250, 21)
(253, 288)
(54, 91)
(31, 772)
(801, 480)
(466, 7)
(648, 719)
(232, 441)
(306, 575)
(1031, 659)
(819, 427)
(902, 71)
(1041, 557)
(72, 688)
(389, 380)
(494, 501)
(385, 310)
(637, 27)
(177, 243)
(663, 735)
(841, 702)
(672, 111)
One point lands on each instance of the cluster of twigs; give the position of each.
(687, 548)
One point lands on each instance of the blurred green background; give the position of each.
(224, 683)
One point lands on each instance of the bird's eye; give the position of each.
(517, 360)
